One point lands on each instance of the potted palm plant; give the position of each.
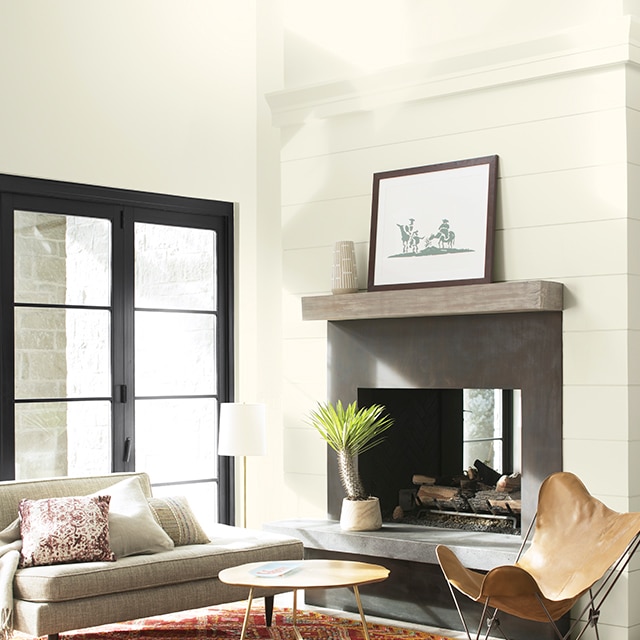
(349, 432)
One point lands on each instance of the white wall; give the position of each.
(553, 91)
(163, 96)
(130, 94)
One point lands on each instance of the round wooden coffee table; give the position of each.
(304, 574)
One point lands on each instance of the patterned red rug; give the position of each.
(222, 623)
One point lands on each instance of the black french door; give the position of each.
(116, 327)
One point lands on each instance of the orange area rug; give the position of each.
(225, 623)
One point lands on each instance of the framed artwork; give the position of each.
(433, 225)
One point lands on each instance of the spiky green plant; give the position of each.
(349, 432)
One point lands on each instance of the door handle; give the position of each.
(126, 456)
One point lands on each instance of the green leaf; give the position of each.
(350, 429)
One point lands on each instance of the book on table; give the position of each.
(275, 569)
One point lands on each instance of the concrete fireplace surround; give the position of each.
(480, 336)
(511, 351)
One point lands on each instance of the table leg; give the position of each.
(295, 615)
(268, 610)
(364, 622)
(245, 624)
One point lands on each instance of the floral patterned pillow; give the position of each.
(61, 530)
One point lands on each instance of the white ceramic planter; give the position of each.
(360, 515)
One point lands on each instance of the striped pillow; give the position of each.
(175, 516)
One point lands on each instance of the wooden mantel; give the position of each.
(498, 297)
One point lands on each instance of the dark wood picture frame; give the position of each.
(433, 225)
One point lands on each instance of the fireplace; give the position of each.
(520, 351)
(504, 336)
(452, 458)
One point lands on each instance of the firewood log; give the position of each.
(509, 484)
(429, 493)
(420, 479)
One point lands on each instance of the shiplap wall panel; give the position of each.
(302, 395)
(309, 270)
(563, 197)
(633, 87)
(610, 487)
(304, 440)
(349, 174)
(293, 327)
(518, 255)
(593, 302)
(634, 414)
(304, 381)
(634, 302)
(634, 246)
(634, 189)
(583, 418)
(565, 250)
(633, 124)
(595, 358)
(574, 196)
(634, 574)
(634, 362)
(487, 109)
(323, 222)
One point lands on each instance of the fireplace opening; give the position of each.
(452, 458)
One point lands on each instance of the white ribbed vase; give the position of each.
(361, 515)
(344, 275)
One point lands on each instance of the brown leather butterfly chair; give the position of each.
(577, 543)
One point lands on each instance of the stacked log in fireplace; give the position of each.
(480, 499)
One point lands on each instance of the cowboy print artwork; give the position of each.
(441, 241)
(433, 224)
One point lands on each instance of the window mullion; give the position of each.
(123, 451)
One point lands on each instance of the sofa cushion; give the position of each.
(132, 527)
(174, 515)
(56, 530)
(230, 546)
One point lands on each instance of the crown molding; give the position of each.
(610, 43)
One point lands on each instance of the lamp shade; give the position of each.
(242, 429)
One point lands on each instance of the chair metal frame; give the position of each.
(596, 595)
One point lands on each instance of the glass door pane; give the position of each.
(482, 427)
(175, 353)
(62, 322)
(175, 333)
(175, 267)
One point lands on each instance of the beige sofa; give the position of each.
(50, 599)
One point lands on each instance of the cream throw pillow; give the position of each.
(133, 530)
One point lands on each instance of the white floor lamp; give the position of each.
(242, 432)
